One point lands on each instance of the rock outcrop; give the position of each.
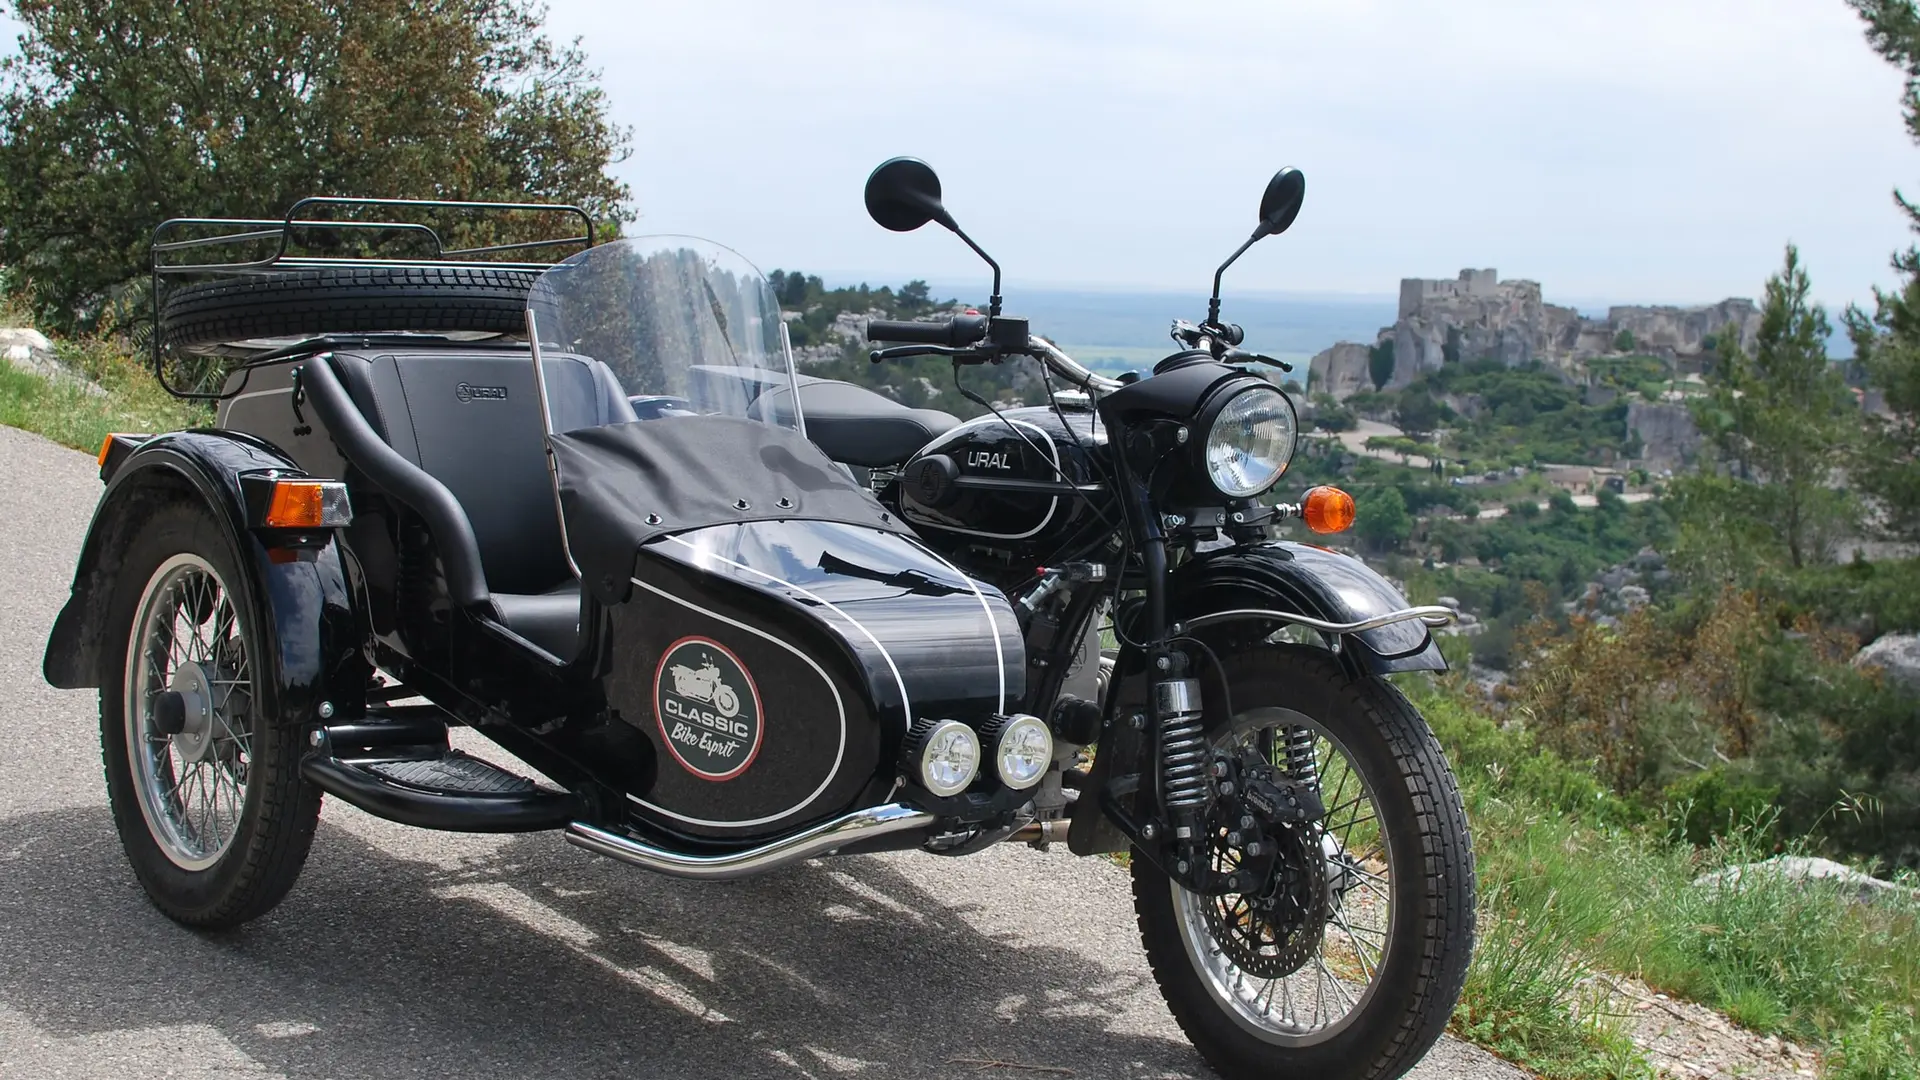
(1342, 370)
(1476, 316)
(1896, 655)
(29, 350)
(1668, 437)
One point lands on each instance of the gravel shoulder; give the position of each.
(408, 953)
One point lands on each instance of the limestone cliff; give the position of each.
(1477, 316)
(1341, 370)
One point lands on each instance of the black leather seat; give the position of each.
(471, 420)
(854, 425)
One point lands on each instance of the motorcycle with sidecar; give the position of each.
(736, 616)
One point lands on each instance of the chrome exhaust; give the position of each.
(825, 838)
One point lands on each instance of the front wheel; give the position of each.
(1344, 955)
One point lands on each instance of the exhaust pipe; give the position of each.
(1041, 833)
(825, 838)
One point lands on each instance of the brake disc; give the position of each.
(1275, 927)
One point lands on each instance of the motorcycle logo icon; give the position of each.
(705, 685)
(708, 708)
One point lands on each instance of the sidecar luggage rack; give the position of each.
(284, 229)
(288, 243)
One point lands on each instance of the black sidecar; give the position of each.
(706, 631)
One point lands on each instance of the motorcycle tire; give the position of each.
(1425, 865)
(343, 300)
(228, 841)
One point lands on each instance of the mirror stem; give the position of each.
(1213, 305)
(993, 302)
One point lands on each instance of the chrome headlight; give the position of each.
(1250, 441)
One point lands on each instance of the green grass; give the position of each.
(1575, 880)
(67, 414)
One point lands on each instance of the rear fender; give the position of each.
(302, 606)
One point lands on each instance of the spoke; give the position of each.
(1357, 943)
(1338, 988)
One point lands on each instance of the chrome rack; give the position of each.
(291, 236)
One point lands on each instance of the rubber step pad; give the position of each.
(456, 772)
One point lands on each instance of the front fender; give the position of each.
(300, 601)
(1307, 580)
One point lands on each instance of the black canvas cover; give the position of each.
(621, 485)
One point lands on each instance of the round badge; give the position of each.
(708, 708)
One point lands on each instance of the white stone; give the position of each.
(1802, 868)
(1898, 655)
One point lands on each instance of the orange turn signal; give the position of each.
(308, 504)
(106, 444)
(1328, 510)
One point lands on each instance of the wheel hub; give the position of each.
(193, 688)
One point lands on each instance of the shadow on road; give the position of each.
(533, 961)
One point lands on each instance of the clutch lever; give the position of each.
(903, 352)
(960, 356)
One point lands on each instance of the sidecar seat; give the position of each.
(466, 428)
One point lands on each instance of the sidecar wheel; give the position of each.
(1346, 960)
(205, 788)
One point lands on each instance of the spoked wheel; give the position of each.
(1342, 947)
(205, 788)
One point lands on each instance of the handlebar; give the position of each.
(951, 337)
(957, 331)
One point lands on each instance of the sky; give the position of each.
(1616, 151)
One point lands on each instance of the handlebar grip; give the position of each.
(957, 331)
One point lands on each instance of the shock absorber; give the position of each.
(1302, 765)
(1183, 752)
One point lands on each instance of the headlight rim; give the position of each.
(1209, 415)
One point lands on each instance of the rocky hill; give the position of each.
(1478, 316)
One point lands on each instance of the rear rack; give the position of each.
(291, 236)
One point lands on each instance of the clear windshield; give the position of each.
(688, 326)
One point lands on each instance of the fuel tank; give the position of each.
(775, 667)
(1000, 495)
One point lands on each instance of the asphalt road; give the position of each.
(404, 953)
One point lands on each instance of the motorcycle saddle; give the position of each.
(854, 425)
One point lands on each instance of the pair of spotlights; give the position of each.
(946, 754)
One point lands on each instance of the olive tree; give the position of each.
(117, 114)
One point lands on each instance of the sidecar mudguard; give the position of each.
(303, 609)
(1307, 580)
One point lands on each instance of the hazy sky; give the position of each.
(1632, 150)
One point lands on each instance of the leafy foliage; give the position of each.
(1887, 343)
(119, 114)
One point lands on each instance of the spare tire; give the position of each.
(346, 299)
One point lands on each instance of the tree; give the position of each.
(1381, 521)
(1887, 344)
(1380, 364)
(1418, 414)
(1623, 341)
(1782, 422)
(117, 114)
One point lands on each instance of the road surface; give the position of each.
(404, 953)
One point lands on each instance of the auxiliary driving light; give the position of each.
(1022, 748)
(944, 754)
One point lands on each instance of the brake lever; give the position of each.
(1242, 356)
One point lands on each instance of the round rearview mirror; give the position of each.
(904, 194)
(1281, 203)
